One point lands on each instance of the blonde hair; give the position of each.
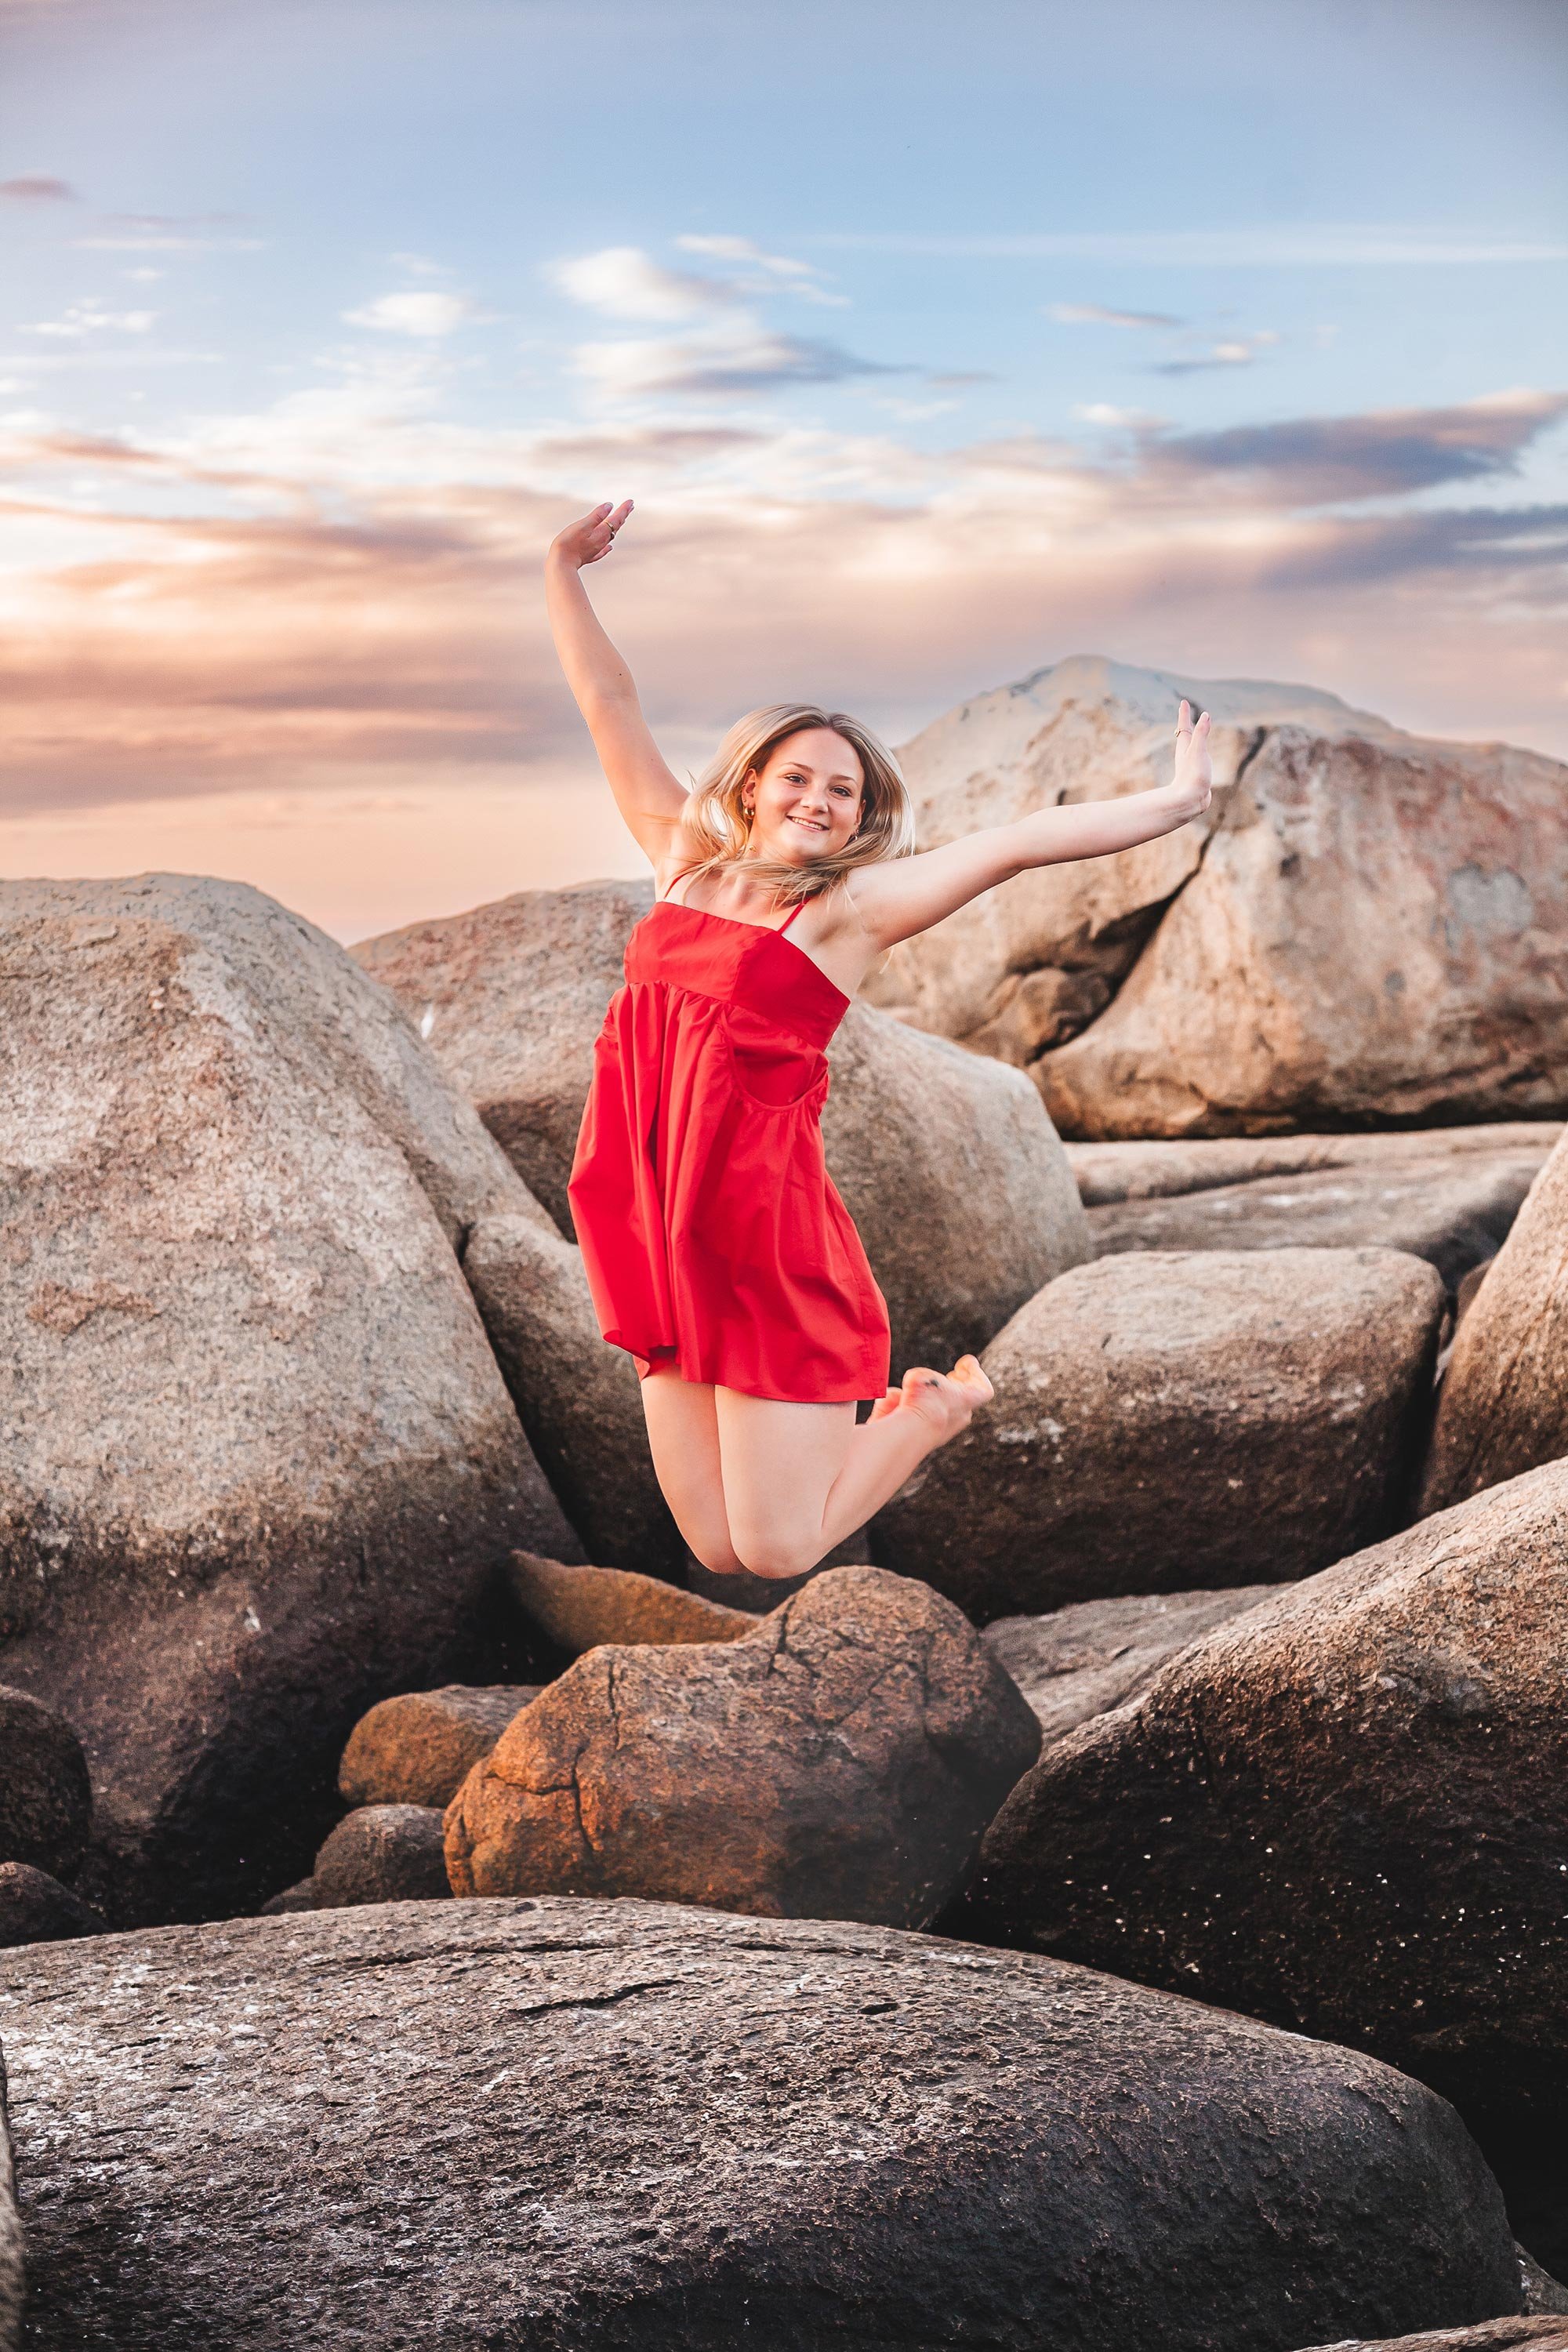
(718, 824)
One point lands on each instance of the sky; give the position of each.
(934, 344)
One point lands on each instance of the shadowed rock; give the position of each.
(1503, 1405)
(46, 1798)
(37, 1909)
(1364, 928)
(1169, 1421)
(383, 1854)
(1085, 1659)
(561, 2124)
(1345, 1811)
(256, 1459)
(576, 1609)
(956, 1183)
(579, 1400)
(418, 1747)
(839, 1761)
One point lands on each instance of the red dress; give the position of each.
(711, 1232)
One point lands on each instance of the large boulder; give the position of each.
(45, 1796)
(1503, 1406)
(1163, 1421)
(1453, 1209)
(579, 1400)
(562, 2123)
(1364, 930)
(419, 1748)
(1345, 1811)
(1093, 1656)
(256, 1457)
(511, 996)
(839, 1761)
(13, 2265)
(955, 1181)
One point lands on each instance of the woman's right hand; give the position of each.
(590, 537)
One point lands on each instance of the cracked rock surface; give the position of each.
(618, 2127)
(1365, 928)
(839, 1761)
(1346, 1811)
(256, 1457)
(1167, 1420)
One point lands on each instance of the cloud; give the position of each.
(84, 319)
(1235, 351)
(340, 590)
(1319, 460)
(430, 316)
(622, 281)
(727, 352)
(168, 233)
(38, 188)
(1083, 314)
(801, 277)
(738, 357)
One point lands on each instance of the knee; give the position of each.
(775, 1555)
(716, 1555)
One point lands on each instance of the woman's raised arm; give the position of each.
(649, 796)
(908, 895)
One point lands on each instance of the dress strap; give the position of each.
(791, 915)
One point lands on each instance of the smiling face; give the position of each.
(807, 800)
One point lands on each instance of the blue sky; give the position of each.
(933, 344)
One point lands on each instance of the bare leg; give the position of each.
(798, 1478)
(683, 1436)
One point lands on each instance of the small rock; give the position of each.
(1539, 2290)
(382, 1853)
(418, 1747)
(1179, 1419)
(839, 1760)
(1095, 1655)
(37, 1909)
(579, 1608)
(300, 1896)
(45, 1796)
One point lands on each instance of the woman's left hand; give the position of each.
(1193, 784)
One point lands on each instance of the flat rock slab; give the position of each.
(615, 2128)
(578, 1608)
(418, 1747)
(1491, 2335)
(1455, 1212)
(1164, 1168)
(1094, 1654)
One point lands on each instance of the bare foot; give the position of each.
(946, 1401)
(886, 1404)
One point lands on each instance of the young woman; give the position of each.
(717, 1249)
